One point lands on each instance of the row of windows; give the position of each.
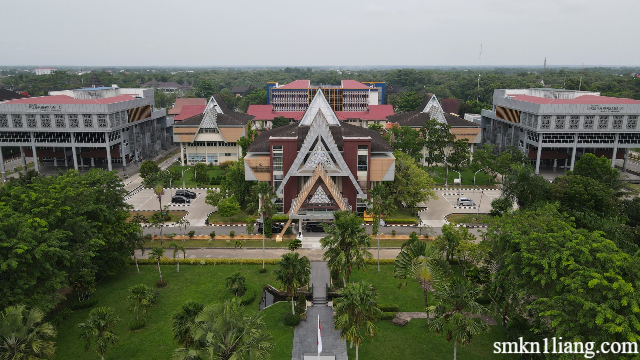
(572, 122)
(48, 121)
(212, 143)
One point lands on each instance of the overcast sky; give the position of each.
(319, 33)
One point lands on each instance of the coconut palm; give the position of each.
(23, 335)
(356, 312)
(227, 332)
(142, 298)
(453, 298)
(380, 202)
(183, 224)
(184, 322)
(236, 283)
(176, 249)
(159, 224)
(346, 244)
(159, 191)
(157, 254)
(137, 243)
(416, 261)
(293, 272)
(99, 326)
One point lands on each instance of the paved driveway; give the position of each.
(446, 204)
(198, 210)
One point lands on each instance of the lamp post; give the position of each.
(195, 176)
(459, 180)
(474, 189)
(262, 220)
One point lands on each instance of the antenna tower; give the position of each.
(479, 64)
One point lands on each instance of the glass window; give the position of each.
(362, 162)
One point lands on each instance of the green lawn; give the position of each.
(205, 284)
(222, 243)
(469, 218)
(241, 217)
(176, 215)
(188, 175)
(438, 175)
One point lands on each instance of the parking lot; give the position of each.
(198, 210)
(446, 204)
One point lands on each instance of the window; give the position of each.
(45, 120)
(574, 122)
(60, 121)
(17, 120)
(546, 122)
(632, 122)
(73, 121)
(603, 122)
(617, 122)
(102, 121)
(277, 158)
(4, 121)
(31, 120)
(113, 120)
(228, 154)
(362, 162)
(588, 121)
(87, 120)
(560, 120)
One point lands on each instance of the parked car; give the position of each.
(275, 228)
(180, 199)
(313, 226)
(462, 201)
(186, 193)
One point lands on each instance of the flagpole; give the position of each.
(318, 336)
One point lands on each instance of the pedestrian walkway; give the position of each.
(305, 334)
(309, 242)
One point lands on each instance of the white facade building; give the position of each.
(45, 70)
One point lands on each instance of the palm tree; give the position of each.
(138, 244)
(176, 249)
(139, 218)
(356, 312)
(346, 244)
(226, 332)
(380, 202)
(453, 298)
(183, 224)
(236, 283)
(184, 322)
(159, 191)
(417, 261)
(23, 335)
(157, 254)
(143, 297)
(99, 324)
(293, 272)
(159, 224)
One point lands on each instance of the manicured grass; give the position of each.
(469, 218)
(409, 298)
(241, 217)
(176, 215)
(189, 174)
(168, 156)
(205, 284)
(438, 175)
(223, 243)
(401, 214)
(416, 341)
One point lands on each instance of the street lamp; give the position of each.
(474, 190)
(459, 181)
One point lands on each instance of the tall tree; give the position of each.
(176, 249)
(438, 137)
(157, 254)
(279, 121)
(99, 326)
(24, 335)
(205, 89)
(458, 154)
(357, 311)
(236, 283)
(453, 299)
(407, 101)
(411, 184)
(525, 187)
(148, 168)
(599, 169)
(408, 141)
(380, 203)
(226, 332)
(184, 324)
(346, 244)
(293, 272)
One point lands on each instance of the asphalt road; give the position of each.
(270, 253)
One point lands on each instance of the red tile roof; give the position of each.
(298, 84)
(64, 100)
(584, 100)
(189, 110)
(376, 112)
(177, 107)
(352, 84)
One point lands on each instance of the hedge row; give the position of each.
(248, 297)
(387, 315)
(167, 261)
(382, 261)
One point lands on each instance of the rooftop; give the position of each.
(375, 112)
(177, 107)
(66, 100)
(189, 111)
(584, 100)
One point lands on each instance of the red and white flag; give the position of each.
(319, 337)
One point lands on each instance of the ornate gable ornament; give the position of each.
(320, 197)
(434, 109)
(319, 107)
(319, 155)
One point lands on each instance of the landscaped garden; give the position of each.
(174, 215)
(205, 284)
(473, 219)
(213, 172)
(438, 175)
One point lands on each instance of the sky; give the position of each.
(319, 33)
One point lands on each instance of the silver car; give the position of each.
(462, 201)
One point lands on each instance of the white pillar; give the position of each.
(3, 173)
(35, 156)
(66, 162)
(182, 153)
(626, 160)
(539, 154)
(92, 163)
(55, 161)
(575, 149)
(615, 151)
(124, 158)
(73, 151)
(555, 164)
(108, 148)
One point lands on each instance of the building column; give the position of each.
(124, 158)
(555, 164)
(182, 153)
(206, 153)
(55, 161)
(108, 148)
(93, 164)
(3, 173)
(66, 162)
(575, 150)
(626, 160)
(35, 156)
(73, 151)
(513, 135)
(539, 154)
(615, 151)
(24, 160)
(218, 151)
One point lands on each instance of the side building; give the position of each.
(555, 127)
(85, 127)
(320, 164)
(211, 136)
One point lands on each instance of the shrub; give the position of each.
(387, 315)
(301, 304)
(262, 270)
(248, 297)
(288, 231)
(280, 217)
(166, 217)
(191, 234)
(393, 232)
(137, 324)
(295, 244)
(83, 305)
(225, 165)
(389, 308)
(161, 284)
(292, 319)
(148, 237)
(232, 234)
(212, 234)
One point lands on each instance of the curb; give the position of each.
(465, 207)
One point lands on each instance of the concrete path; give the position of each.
(305, 334)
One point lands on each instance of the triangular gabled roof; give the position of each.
(434, 109)
(319, 105)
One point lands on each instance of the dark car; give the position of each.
(313, 226)
(275, 228)
(186, 193)
(180, 199)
